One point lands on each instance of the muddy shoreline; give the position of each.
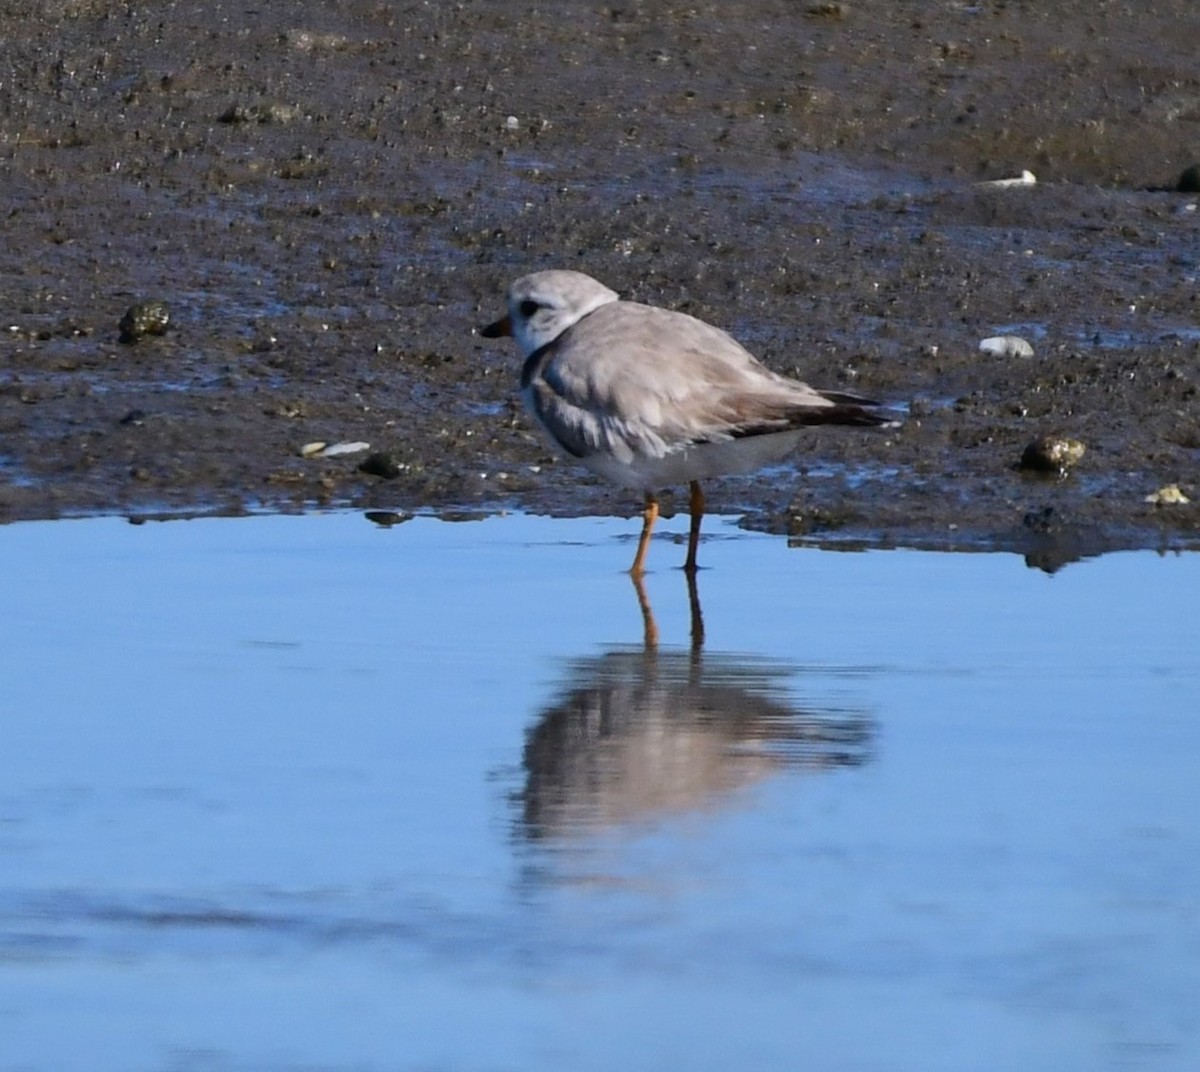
(330, 201)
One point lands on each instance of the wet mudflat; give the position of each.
(308, 792)
(329, 199)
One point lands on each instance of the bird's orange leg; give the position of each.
(696, 504)
(649, 516)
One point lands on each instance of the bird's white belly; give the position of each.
(701, 461)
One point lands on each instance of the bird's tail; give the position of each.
(851, 409)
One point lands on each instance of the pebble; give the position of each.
(1006, 346)
(1052, 454)
(144, 318)
(1170, 495)
(834, 11)
(291, 408)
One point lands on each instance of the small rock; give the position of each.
(1167, 496)
(311, 450)
(380, 464)
(291, 408)
(1052, 454)
(1189, 180)
(135, 417)
(1006, 346)
(144, 318)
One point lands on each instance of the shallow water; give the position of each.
(305, 792)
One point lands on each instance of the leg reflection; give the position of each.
(650, 626)
(697, 615)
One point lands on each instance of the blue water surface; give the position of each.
(308, 792)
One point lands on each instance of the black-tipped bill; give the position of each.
(501, 328)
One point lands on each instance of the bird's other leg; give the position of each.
(696, 504)
(649, 516)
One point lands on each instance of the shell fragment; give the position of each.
(334, 449)
(1026, 178)
(321, 449)
(1006, 346)
(1170, 495)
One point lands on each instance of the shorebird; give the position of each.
(649, 397)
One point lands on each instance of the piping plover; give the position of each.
(648, 397)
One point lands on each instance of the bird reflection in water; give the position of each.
(639, 733)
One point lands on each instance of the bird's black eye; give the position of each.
(529, 308)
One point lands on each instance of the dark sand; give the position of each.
(332, 197)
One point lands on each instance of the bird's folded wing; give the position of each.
(650, 382)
